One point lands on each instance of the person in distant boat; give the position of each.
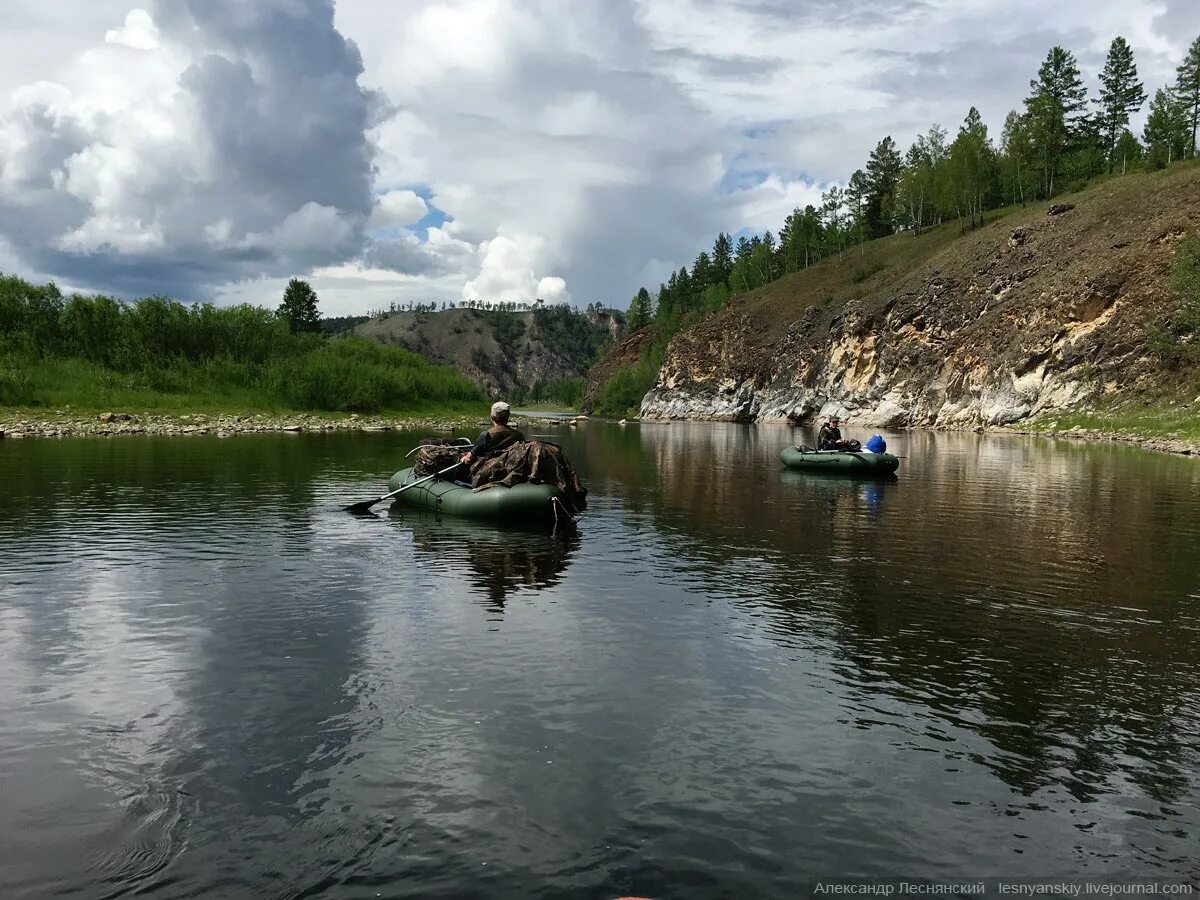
(499, 437)
(830, 435)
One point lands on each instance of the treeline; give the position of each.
(563, 391)
(1061, 140)
(332, 325)
(160, 346)
(487, 305)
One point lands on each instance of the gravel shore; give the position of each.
(109, 424)
(1161, 444)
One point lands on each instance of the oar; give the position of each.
(366, 505)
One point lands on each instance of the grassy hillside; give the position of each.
(617, 383)
(1101, 263)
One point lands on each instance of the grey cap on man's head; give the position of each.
(500, 408)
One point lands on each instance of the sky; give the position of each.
(572, 150)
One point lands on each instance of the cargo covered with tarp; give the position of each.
(436, 454)
(537, 462)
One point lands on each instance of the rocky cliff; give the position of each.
(501, 351)
(1041, 310)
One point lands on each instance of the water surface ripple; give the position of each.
(731, 679)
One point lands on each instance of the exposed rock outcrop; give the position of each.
(1031, 313)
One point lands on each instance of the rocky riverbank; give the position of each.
(1161, 444)
(111, 424)
(1051, 311)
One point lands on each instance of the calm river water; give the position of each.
(731, 680)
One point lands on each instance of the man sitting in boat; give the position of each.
(830, 435)
(499, 437)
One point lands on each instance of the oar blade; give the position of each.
(363, 507)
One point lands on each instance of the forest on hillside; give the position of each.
(1063, 139)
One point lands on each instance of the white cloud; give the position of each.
(396, 209)
(509, 271)
(765, 206)
(139, 32)
(552, 289)
(105, 232)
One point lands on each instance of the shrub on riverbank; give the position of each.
(622, 394)
(93, 352)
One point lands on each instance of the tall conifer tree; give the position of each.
(1187, 91)
(1121, 95)
(1055, 111)
(883, 176)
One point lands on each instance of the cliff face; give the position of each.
(1038, 311)
(500, 351)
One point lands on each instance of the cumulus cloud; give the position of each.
(202, 142)
(509, 271)
(138, 32)
(398, 208)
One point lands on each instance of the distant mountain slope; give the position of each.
(503, 351)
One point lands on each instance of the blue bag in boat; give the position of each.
(876, 444)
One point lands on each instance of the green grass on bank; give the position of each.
(322, 383)
(157, 355)
(1180, 421)
(340, 378)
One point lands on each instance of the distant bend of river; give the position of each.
(732, 679)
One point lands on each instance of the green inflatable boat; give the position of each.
(846, 462)
(524, 505)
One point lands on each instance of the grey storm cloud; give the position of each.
(263, 166)
(411, 257)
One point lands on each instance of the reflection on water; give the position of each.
(498, 562)
(731, 678)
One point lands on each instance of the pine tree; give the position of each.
(1187, 91)
(883, 176)
(1121, 95)
(640, 310)
(702, 273)
(722, 259)
(1165, 133)
(299, 306)
(832, 202)
(765, 259)
(1055, 111)
(683, 291)
(743, 249)
(856, 201)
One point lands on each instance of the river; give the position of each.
(732, 679)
